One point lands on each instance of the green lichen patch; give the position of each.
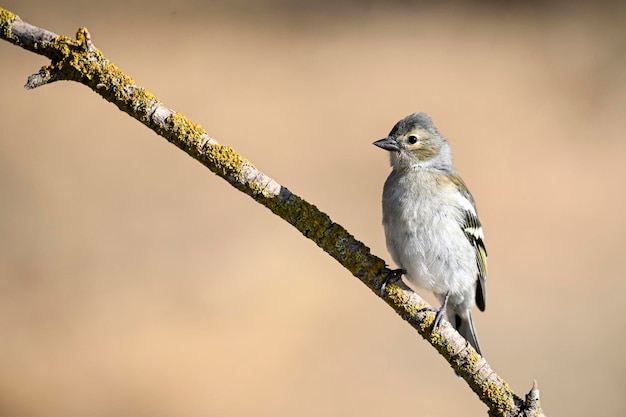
(6, 19)
(140, 101)
(499, 396)
(224, 161)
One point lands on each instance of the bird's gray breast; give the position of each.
(423, 232)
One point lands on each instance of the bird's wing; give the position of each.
(474, 232)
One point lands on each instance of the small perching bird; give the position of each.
(432, 230)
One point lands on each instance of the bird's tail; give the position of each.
(466, 328)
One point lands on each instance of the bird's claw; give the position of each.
(393, 275)
(441, 311)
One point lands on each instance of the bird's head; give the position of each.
(415, 142)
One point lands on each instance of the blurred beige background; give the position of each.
(135, 282)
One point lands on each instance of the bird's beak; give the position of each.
(388, 144)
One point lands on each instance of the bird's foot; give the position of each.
(393, 275)
(440, 312)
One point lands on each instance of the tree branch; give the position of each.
(78, 60)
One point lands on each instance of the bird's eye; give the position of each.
(412, 139)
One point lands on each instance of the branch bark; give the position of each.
(78, 60)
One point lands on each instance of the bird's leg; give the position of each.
(441, 312)
(393, 275)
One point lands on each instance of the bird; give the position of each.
(431, 226)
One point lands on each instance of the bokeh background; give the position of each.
(135, 282)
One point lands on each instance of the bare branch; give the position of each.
(78, 60)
